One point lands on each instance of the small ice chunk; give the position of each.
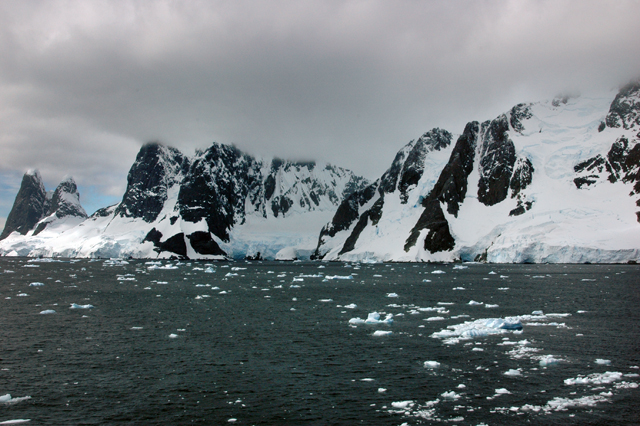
(513, 372)
(490, 306)
(382, 333)
(473, 302)
(600, 361)
(47, 312)
(381, 390)
(36, 284)
(437, 271)
(351, 306)
(502, 391)
(435, 319)
(15, 421)
(450, 395)
(548, 360)
(537, 313)
(76, 306)
(404, 405)
(338, 277)
(173, 336)
(392, 295)
(431, 364)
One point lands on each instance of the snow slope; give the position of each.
(551, 181)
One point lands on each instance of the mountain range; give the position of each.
(554, 181)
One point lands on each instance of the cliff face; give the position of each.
(539, 183)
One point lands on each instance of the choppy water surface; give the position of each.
(272, 343)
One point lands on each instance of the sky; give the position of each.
(83, 84)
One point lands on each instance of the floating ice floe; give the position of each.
(6, 399)
(513, 372)
(488, 305)
(338, 277)
(431, 364)
(603, 361)
(382, 333)
(595, 379)
(460, 267)
(478, 328)
(15, 421)
(438, 271)
(450, 395)
(351, 306)
(435, 319)
(372, 318)
(162, 267)
(473, 302)
(547, 360)
(36, 284)
(392, 294)
(173, 336)
(47, 312)
(76, 306)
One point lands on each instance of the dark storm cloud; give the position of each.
(83, 84)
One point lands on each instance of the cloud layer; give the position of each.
(84, 84)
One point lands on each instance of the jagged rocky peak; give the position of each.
(625, 108)
(155, 170)
(622, 161)
(216, 186)
(413, 167)
(35, 208)
(451, 188)
(30, 205)
(66, 200)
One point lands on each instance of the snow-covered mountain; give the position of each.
(36, 209)
(219, 203)
(555, 181)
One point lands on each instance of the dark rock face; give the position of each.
(29, 207)
(517, 115)
(625, 108)
(373, 214)
(174, 244)
(622, 162)
(405, 172)
(451, 188)
(413, 167)
(497, 158)
(155, 170)
(348, 211)
(202, 243)
(65, 202)
(104, 212)
(216, 186)
(522, 176)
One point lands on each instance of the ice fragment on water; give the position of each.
(603, 361)
(382, 333)
(47, 311)
(76, 306)
(431, 364)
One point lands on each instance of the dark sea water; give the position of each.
(256, 345)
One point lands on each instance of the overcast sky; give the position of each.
(83, 84)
